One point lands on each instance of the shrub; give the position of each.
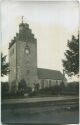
(4, 89)
(13, 87)
(23, 88)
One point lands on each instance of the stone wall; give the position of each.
(23, 66)
(27, 63)
(12, 62)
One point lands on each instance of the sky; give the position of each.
(52, 23)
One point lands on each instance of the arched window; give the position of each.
(56, 82)
(49, 83)
(42, 84)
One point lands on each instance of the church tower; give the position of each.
(23, 58)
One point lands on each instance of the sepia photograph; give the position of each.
(39, 62)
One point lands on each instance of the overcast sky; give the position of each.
(52, 23)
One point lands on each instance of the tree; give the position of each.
(22, 87)
(71, 63)
(4, 89)
(4, 65)
(36, 87)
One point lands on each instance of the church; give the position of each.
(23, 62)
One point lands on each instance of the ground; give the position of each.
(62, 110)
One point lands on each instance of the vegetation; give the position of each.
(70, 89)
(23, 88)
(36, 87)
(71, 63)
(4, 89)
(4, 65)
(13, 87)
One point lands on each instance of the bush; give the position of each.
(23, 88)
(13, 87)
(72, 88)
(4, 89)
(47, 91)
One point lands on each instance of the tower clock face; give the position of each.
(27, 50)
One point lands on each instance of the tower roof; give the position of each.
(25, 34)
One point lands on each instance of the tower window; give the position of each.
(28, 71)
(12, 52)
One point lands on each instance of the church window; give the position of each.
(56, 81)
(49, 83)
(42, 84)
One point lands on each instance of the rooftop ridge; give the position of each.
(49, 69)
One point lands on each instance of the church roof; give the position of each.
(50, 74)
